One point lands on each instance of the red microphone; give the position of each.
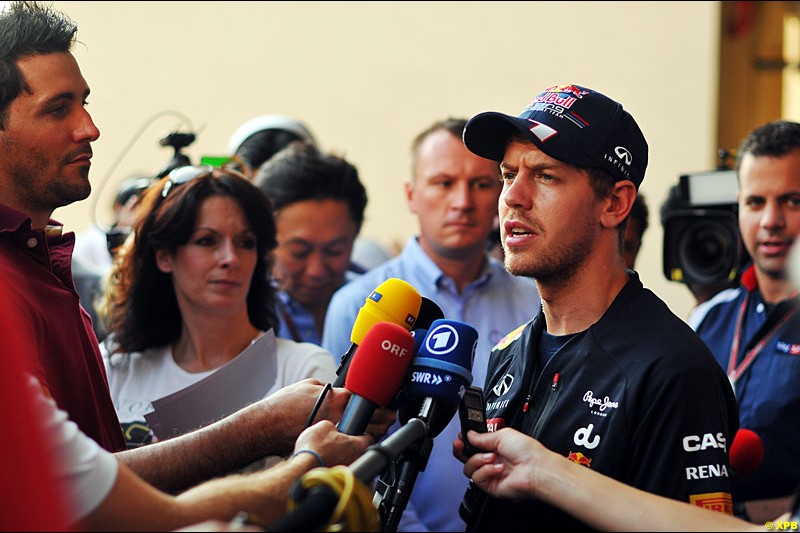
(376, 372)
(746, 452)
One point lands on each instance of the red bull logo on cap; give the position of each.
(569, 89)
(578, 457)
(560, 95)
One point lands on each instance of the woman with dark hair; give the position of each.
(190, 289)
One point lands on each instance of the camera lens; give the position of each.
(704, 251)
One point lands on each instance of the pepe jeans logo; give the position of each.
(624, 154)
(598, 406)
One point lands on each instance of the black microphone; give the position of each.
(378, 369)
(394, 301)
(380, 456)
(428, 312)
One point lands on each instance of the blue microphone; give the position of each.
(440, 373)
(419, 336)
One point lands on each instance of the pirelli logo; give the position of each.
(713, 501)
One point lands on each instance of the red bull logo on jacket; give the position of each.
(578, 457)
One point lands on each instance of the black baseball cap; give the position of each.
(570, 123)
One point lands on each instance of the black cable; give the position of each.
(317, 405)
(105, 180)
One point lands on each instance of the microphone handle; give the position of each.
(435, 413)
(312, 514)
(355, 418)
(395, 498)
(379, 456)
(344, 364)
(394, 491)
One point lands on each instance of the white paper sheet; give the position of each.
(243, 380)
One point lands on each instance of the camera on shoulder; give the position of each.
(702, 244)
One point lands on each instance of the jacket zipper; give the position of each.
(548, 406)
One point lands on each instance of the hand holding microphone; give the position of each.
(379, 365)
(328, 446)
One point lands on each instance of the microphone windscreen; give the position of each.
(380, 363)
(428, 312)
(400, 397)
(395, 301)
(746, 451)
(419, 336)
(442, 366)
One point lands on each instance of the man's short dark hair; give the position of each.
(773, 139)
(301, 171)
(27, 29)
(640, 212)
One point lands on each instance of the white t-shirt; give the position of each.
(137, 379)
(85, 471)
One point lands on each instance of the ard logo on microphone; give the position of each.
(442, 340)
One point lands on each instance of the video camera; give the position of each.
(178, 141)
(115, 235)
(702, 244)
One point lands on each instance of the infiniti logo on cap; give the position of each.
(624, 154)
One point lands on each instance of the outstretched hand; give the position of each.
(507, 465)
(334, 447)
(295, 402)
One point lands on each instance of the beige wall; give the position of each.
(367, 76)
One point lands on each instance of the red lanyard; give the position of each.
(734, 371)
